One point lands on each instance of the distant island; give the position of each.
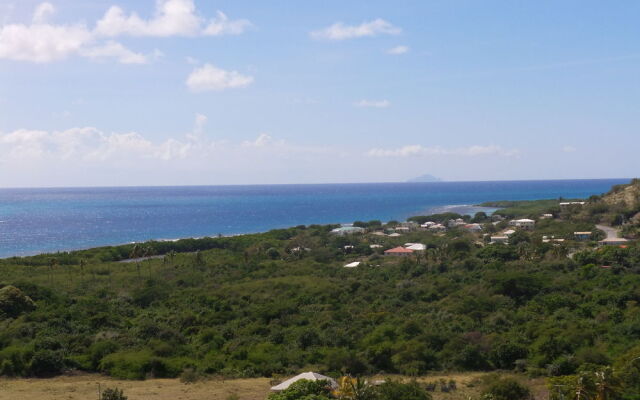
(425, 178)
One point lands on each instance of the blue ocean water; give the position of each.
(45, 220)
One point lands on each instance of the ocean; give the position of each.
(35, 221)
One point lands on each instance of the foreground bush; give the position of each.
(506, 389)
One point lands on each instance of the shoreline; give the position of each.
(463, 209)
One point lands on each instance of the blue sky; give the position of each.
(172, 92)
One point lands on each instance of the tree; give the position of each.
(14, 302)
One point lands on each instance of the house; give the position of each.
(500, 239)
(411, 225)
(437, 228)
(417, 247)
(375, 246)
(394, 234)
(427, 225)
(310, 376)
(546, 216)
(453, 223)
(347, 230)
(508, 232)
(525, 224)
(613, 242)
(353, 264)
(398, 252)
(473, 227)
(582, 235)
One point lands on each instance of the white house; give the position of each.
(499, 239)
(437, 228)
(525, 223)
(347, 230)
(418, 247)
(508, 232)
(582, 235)
(310, 376)
(613, 241)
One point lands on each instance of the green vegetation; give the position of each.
(274, 303)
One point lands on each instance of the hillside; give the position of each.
(276, 303)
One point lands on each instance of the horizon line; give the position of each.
(310, 184)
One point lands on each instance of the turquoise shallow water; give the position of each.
(45, 220)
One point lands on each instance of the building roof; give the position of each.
(394, 234)
(416, 247)
(399, 249)
(525, 220)
(311, 376)
(353, 264)
(614, 240)
(582, 233)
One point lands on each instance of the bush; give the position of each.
(507, 389)
(393, 390)
(304, 389)
(113, 394)
(46, 363)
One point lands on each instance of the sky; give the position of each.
(207, 92)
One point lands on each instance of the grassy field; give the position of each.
(85, 387)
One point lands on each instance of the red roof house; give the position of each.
(398, 252)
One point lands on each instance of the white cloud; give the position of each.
(340, 31)
(569, 149)
(422, 151)
(211, 78)
(222, 25)
(373, 103)
(171, 18)
(42, 41)
(42, 12)
(398, 50)
(114, 50)
(262, 140)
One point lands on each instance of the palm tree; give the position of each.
(607, 384)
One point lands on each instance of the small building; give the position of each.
(499, 239)
(582, 235)
(398, 252)
(524, 223)
(347, 230)
(508, 232)
(437, 228)
(473, 227)
(310, 376)
(427, 225)
(614, 242)
(417, 247)
(402, 229)
(394, 234)
(546, 216)
(375, 246)
(454, 223)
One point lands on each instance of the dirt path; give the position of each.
(612, 233)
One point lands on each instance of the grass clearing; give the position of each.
(85, 387)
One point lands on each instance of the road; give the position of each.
(612, 233)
